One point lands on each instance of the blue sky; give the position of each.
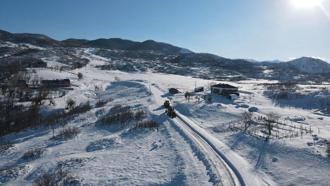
(254, 29)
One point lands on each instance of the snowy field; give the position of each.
(126, 155)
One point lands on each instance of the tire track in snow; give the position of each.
(228, 174)
(199, 153)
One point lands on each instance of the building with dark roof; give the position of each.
(55, 83)
(224, 89)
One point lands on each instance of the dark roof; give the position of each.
(56, 80)
(221, 85)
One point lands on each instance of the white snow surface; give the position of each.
(167, 156)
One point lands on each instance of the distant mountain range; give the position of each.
(163, 57)
(112, 43)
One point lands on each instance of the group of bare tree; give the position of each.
(328, 149)
(15, 117)
(268, 127)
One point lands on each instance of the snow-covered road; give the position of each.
(220, 173)
(223, 174)
(232, 170)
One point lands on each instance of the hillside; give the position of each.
(310, 65)
(133, 56)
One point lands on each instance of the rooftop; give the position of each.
(221, 85)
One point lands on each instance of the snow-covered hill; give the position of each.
(133, 56)
(310, 65)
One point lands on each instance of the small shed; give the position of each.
(224, 89)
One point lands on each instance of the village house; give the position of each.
(224, 89)
(55, 83)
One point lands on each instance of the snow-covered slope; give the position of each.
(149, 55)
(310, 65)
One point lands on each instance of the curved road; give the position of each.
(226, 173)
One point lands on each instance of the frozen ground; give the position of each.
(167, 156)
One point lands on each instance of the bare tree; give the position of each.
(80, 76)
(247, 120)
(70, 104)
(17, 77)
(187, 95)
(327, 107)
(328, 149)
(271, 121)
(36, 102)
(41, 96)
(52, 102)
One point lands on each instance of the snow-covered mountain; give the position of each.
(310, 65)
(112, 43)
(127, 55)
(34, 39)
